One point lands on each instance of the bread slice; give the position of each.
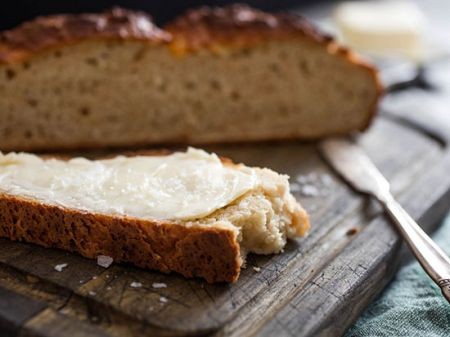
(189, 213)
(228, 74)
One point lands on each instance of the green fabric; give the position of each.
(412, 305)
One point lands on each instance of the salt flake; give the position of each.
(135, 284)
(104, 261)
(159, 285)
(60, 267)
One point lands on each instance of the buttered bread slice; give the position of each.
(188, 212)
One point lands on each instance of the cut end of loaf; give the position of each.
(293, 83)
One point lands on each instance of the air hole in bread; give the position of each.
(139, 55)
(284, 111)
(85, 111)
(198, 105)
(28, 134)
(245, 52)
(26, 65)
(92, 61)
(32, 102)
(235, 96)
(190, 85)
(215, 85)
(275, 68)
(10, 74)
(305, 67)
(57, 54)
(161, 87)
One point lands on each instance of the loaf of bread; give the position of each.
(185, 212)
(228, 74)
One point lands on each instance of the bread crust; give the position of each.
(237, 25)
(191, 250)
(47, 32)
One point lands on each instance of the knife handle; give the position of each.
(433, 260)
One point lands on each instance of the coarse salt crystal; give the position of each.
(104, 261)
(159, 285)
(135, 284)
(162, 299)
(257, 269)
(309, 191)
(60, 267)
(92, 293)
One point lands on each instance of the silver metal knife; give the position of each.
(359, 171)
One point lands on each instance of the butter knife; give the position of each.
(359, 171)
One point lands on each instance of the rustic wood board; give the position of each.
(318, 286)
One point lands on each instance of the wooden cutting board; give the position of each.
(318, 286)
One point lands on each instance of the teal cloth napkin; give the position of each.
(412, 305)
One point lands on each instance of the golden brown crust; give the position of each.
(193, 251)
(50, 31)
(236, 25)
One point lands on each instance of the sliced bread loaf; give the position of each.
(190, 212)
(213, 75)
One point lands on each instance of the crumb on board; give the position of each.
(257, 269)
(163, 299)
(157, 285)
(352, 231)
(60, 267)
(135, 284)
(108, 288)
(104, 261)
(92, 293)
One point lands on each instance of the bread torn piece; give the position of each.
(257, 218)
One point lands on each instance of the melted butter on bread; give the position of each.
(179, 186)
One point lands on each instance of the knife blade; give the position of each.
(354, 166)
(359, 171)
